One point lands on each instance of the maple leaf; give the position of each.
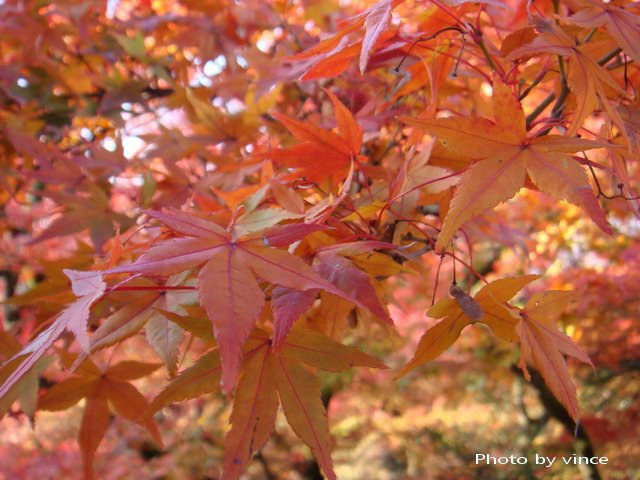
(101, 388)
(333, 265)
(331, 262)
(199, 379)
(504, 156)
(621, 24)
(227, 286)
(55, 167)
(126, 321)
(337, 150)
(196, 322)
(149, 309)
(288, 305)
(26, 388)
(190, 89)
(544, 345)
(330, 57)
(487, 306)
(164, 336)
(417, 169)
(88, 287)
(376, 21)
(586, 79)
(91, 212)
(270, 379)
(325, 207)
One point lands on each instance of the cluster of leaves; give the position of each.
(181, 164)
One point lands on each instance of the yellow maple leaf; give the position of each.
(504, 155)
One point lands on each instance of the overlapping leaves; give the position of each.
(542, 344)
(270, 379)
(505, 155)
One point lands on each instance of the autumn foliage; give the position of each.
(238, 196)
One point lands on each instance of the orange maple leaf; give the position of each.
(322, 153)
(199, 379)
(101, 387)
(586, 79)
(457, 313)
(504, 155)
(545, 346)
(270, 379)
(621, 24)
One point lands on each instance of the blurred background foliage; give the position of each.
(120, 83)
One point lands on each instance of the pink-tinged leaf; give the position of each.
(172, 256)
(73, 319)
(71, 222)
(254, 412)
(178, 254)
(86, 283)
(190, 225)
(351, 280)
(288, 305)
(284, 235)
(282, 268)
(233, 300)
(376, 22)
(300, 396)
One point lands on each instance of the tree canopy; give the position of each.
(354, 218)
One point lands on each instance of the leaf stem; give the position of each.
(424, 39)
(151, 288)
(540, 108)
(480, 42)
(612, 54)
(564, 92)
